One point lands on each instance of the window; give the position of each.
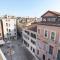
(26, 37)
(52, 35)
(58, 55)
(46, 33)
(9, 24)
(15, 33)
(48, 59)
(33, 35)
(33, 50)
(12, 37)
(9, 30)
(43, 57)
(37, 52)
(33, 41)
(10, 33)
(14, 29)
(7, 33)
(0, 34)
(27, 45)
(44, 19)
(52, 19)
(38, 31)
(27, 32)
(6, 24)
(58, 19)
(50, 50)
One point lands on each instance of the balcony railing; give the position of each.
(50, 23)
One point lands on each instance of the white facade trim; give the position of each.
(29, 41)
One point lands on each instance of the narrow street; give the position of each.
(19, 51)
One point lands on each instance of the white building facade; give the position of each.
(29, 40)
(9, 27)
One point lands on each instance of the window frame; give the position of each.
(54, 37)
(51, 49)
(38, 31)
(33, 35)
(44, 33)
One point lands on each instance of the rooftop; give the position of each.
(33, 26)
(51, 18)
(52, 12)
(7, 16)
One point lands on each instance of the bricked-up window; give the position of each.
(53, 35)
(46, 33)
(33, 35)
(50, 50)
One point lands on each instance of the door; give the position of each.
(43, 57)
(58, 55)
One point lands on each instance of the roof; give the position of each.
(33, 26)
(53, 12)
(2, 42)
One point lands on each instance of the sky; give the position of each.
(32, 8)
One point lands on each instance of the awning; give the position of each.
(2, 42)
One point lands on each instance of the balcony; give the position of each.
(50, 23)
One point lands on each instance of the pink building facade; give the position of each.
(48, 37)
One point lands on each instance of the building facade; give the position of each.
(22, 22)
(9, 27)
(48, 38)
(29, 38)
(1, 33)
